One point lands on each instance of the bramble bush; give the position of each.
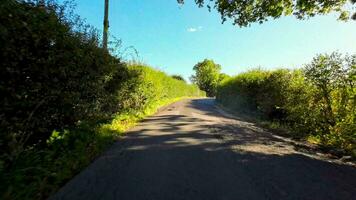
(317, 101)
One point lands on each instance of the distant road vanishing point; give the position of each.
(191, 149)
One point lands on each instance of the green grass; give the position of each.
(125, 121)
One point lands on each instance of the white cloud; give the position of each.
(194, 29)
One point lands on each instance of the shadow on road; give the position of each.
(180, 157)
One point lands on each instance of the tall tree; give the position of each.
(106, 24)
(245, 12)
(207, 76)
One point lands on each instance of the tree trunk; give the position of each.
(329, 110)
(106, 25)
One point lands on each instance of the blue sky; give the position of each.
(174, 38)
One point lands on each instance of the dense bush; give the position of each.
(51, 76)
(318, 100)
(255, 91)
(146, 85)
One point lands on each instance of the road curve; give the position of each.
(193, 150)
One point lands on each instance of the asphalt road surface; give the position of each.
(194, 150)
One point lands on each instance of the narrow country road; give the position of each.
(193, 150)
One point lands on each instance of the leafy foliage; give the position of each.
(317, 101)
(223, 77)
(53, 73)
(207, 76)
(256, 91)
(243, 13)
(334, 79)
(178, 77)
(144, 92)
(146, 85)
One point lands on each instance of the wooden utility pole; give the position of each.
(106, 25)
